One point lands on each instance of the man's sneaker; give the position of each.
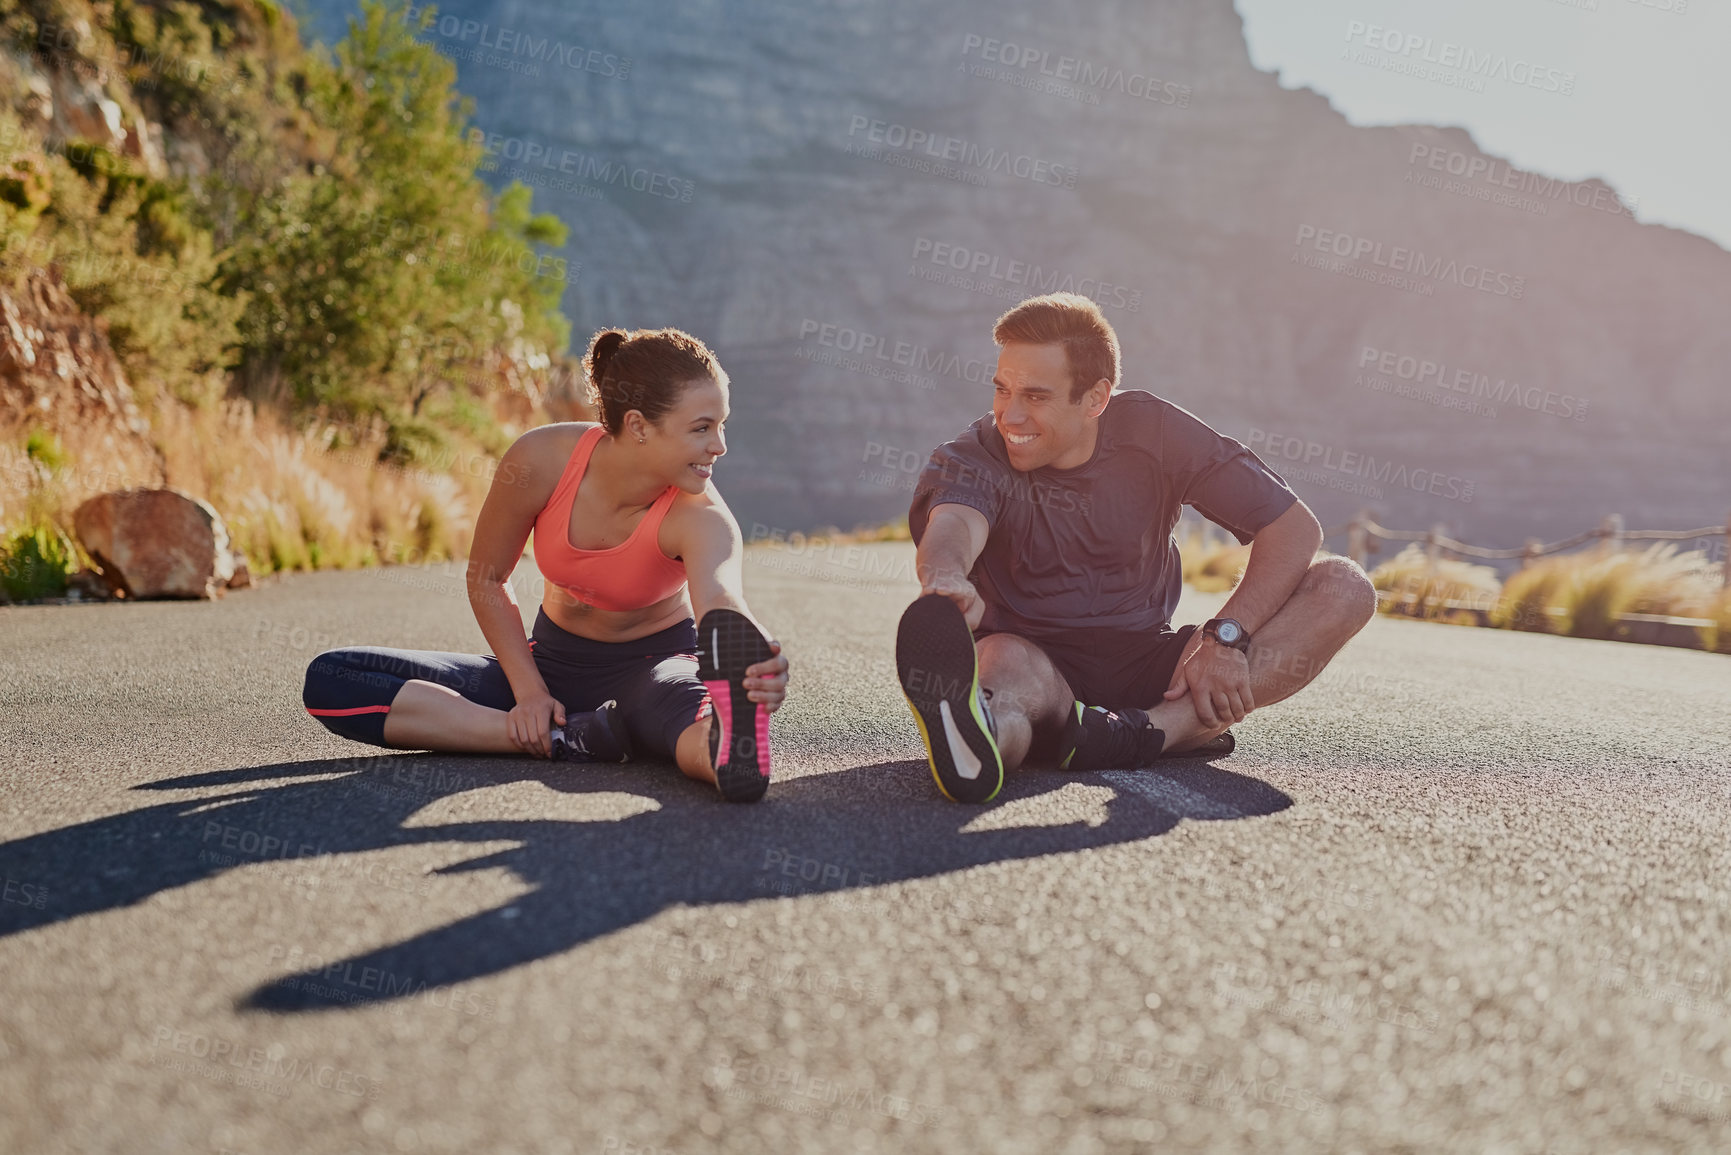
(1099, 739)
(1218, 746)
(727, 644)
(940, 676)
(596, 735)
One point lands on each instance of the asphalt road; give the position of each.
(1467, 893)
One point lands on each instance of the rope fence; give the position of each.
(1361, 530)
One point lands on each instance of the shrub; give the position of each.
(1717, 637)
(1211, 568)
(36, 562)
(1604, 585)
(1440, 592)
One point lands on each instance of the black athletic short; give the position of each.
(1114, 668)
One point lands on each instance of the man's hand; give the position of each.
(1216, 677)
(958, 589)
(766, 682)
(527, 723)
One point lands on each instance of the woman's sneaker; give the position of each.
(727, 645)
(940, 676)
(596, 735)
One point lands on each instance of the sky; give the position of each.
(1633, 92)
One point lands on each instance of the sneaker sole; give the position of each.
(940, 676)
(1218, 746)
(727, 644)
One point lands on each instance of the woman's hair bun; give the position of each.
(601, 350)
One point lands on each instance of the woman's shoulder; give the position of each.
(552, 435)
(537, 459)
(545, 444)
(698, 516)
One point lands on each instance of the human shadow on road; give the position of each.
(852, 830)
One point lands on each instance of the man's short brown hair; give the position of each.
(1070, 320)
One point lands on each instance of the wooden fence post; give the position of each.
(1433, 543)
(1531, 552)
(1725, 561)
(1612, 531)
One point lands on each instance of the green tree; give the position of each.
(387, 266)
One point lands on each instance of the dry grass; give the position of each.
(896, 530)
(1211, 567)
(297, 499)
(292, 498)
(1584, 594)
(1717, 637)
(1409, 585)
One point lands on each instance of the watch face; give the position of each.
(1228, 631)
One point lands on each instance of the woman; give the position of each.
(631, 538)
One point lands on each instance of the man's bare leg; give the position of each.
(1333, 602)
(1027, 691)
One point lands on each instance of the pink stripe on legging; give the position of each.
(346, 713)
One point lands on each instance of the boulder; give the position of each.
(156, 543)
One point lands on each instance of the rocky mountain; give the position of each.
(841, 195)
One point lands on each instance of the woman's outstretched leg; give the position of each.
(412, 699)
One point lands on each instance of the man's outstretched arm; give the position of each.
(954, 536)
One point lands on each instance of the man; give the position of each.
(1045, 532)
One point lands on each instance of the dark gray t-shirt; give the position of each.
(1093, 545)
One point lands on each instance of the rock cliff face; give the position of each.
(842, 195)
(58, 376)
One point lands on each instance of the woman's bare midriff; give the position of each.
(599, 625)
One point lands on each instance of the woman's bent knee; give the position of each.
(347, 698)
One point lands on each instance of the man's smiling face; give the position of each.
(1032, 407)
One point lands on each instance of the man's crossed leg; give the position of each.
(1030, 699)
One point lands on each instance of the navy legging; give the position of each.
(654, 680)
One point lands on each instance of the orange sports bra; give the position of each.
(631, 575)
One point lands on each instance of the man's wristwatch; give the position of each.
(1229, 632)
